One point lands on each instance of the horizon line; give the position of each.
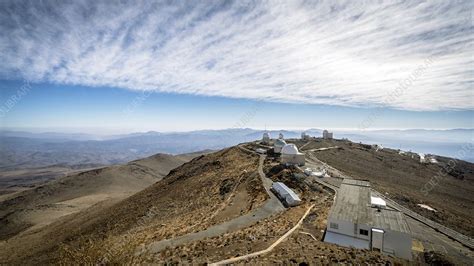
(128, 131)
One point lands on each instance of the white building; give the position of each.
(316, 173)
(285, 194)
(266, 138)
(278, 145)
(377, 147)
(261, 151)
(422, 158)
(291, 155)
(321, 173)
(361, 221)
(327, 134)
(425, 159)
(308, 171)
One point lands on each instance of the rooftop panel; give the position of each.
(353, 203)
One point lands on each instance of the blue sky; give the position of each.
(108, 110)
(207, 65)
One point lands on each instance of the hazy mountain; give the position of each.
(25, 150)
(51, 136)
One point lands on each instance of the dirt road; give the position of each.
(271, 206)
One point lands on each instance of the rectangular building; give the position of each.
(358, 220)
(285, 194)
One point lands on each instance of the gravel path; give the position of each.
(270, 207)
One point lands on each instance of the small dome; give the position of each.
(289, 149)
(280, 143)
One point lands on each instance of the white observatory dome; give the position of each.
(289, 149)
(280, 143)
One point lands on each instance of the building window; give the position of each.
(364, 232)
(334, 225)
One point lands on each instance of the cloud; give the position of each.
(336, 53)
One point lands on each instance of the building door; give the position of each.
(376, 242)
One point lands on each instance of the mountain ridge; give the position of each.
(20, 152)
(76, 192)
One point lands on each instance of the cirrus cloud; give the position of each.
(336, 53)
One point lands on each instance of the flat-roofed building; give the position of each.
(358, 219)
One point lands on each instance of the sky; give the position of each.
(123, 66)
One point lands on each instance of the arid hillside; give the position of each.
(218, 206)
(34, 208)
(14, 181)
(190, 198)
(304, 246)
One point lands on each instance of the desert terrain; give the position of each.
(212, 208)
(44, 203)
(402, 177)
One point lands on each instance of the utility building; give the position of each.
(360, 220)
(278, 145)
(291, 156)
(285, 194)
(327, 134)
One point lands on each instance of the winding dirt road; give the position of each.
(270, 207)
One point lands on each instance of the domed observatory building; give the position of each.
(278, 145)
(327, 134)
(266, 138)
(291, 156)
(304, 136)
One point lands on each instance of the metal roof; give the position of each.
(353, 203)
(389, 219)
(284, 190)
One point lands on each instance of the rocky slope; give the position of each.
(182, 202)
(44, 204)
(218, 187)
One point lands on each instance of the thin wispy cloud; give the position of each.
(336, 53)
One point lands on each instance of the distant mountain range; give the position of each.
(25, 150)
